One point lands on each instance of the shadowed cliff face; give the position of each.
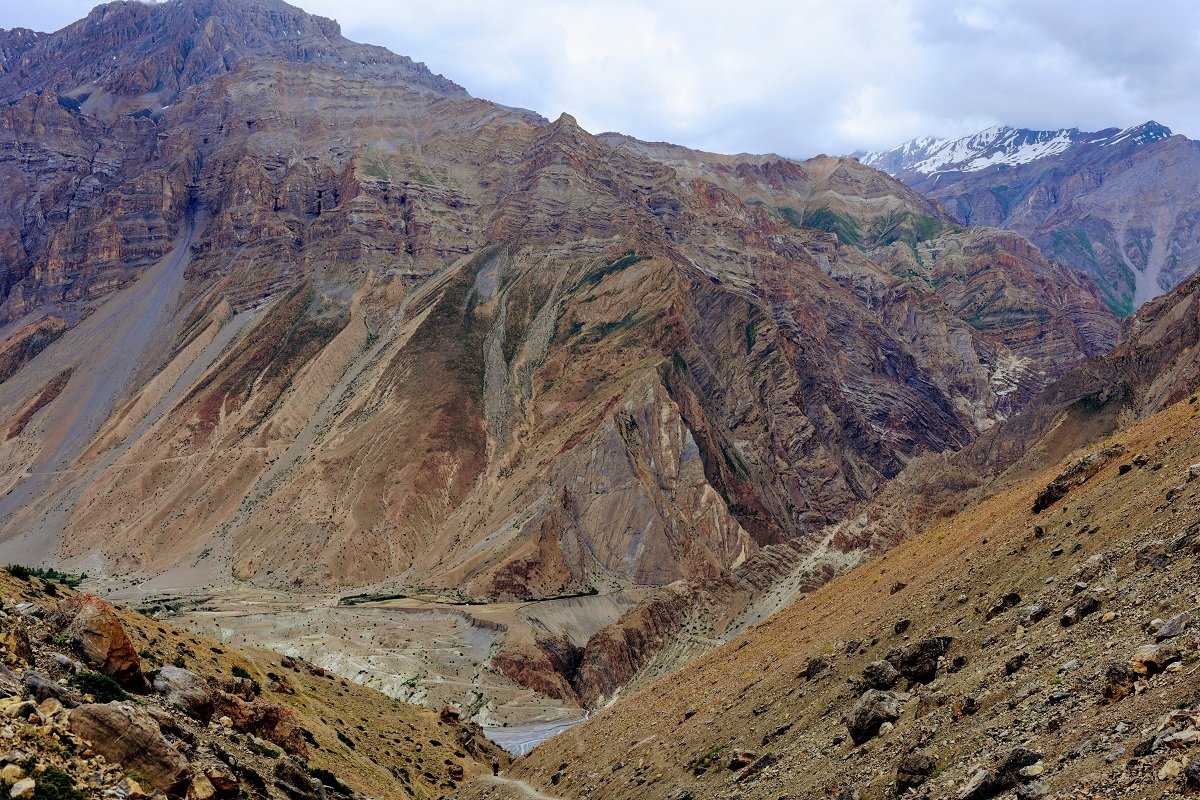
(392, 335)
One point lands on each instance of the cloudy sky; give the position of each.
(795, 77)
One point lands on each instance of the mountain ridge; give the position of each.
(1115, 204)
(999, 145)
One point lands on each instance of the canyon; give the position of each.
(304, 347)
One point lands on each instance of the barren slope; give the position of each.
(1114, 553)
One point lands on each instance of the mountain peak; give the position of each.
(127, 56)
(1145, 133)
(998, 145)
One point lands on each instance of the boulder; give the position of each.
(1173, 627)
(10, 683)
(814, 667)
(1085, 605)
(294, 780)
(262, 718)
(1005, 776)
(39, 687)
(871, 710)
(126, 735)
(1191, 773)
(913, 770)
(219, 775)
(30, 610)
(201, 788)
(1009, 600)
(1151, 659)
(94, 631)
(1033, 791)
(1074, 474)
(279, 684)
(186, 689)
(919, 661)
(61, 664)
(880, 675)
(244, 688)
(23, 788)
(14, 643)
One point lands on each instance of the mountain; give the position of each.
(999, 145)
(1033, 643)
(1115, 204)
(286, 318)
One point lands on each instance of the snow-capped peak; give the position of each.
(999, 145)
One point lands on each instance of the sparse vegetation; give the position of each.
(54, 784)
(47, 574)
(703, 763)
(99, 686)
(600, 273)
(261, 750)
(824, 219)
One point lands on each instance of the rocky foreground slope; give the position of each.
(100, 703)
(1040, 643)
(1119, 205)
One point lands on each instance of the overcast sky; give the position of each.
(795, 77)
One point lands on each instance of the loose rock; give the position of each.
(871, 710)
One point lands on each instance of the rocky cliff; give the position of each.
(101, 702)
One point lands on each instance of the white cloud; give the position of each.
(795, 77)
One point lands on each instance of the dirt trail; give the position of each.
(512, 788)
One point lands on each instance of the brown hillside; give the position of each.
(1125, 540)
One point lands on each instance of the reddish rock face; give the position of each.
(262, 718)
(95, 632)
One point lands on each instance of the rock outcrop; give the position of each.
(129, 736)
(73, 733)
(94, 631)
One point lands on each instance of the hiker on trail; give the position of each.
(495, 765)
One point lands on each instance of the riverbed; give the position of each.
(520, 739)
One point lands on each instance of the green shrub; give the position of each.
(99, 686)
(47, 574)
(258, 749)
(241, 672)
(18, 571)
(54, 784)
